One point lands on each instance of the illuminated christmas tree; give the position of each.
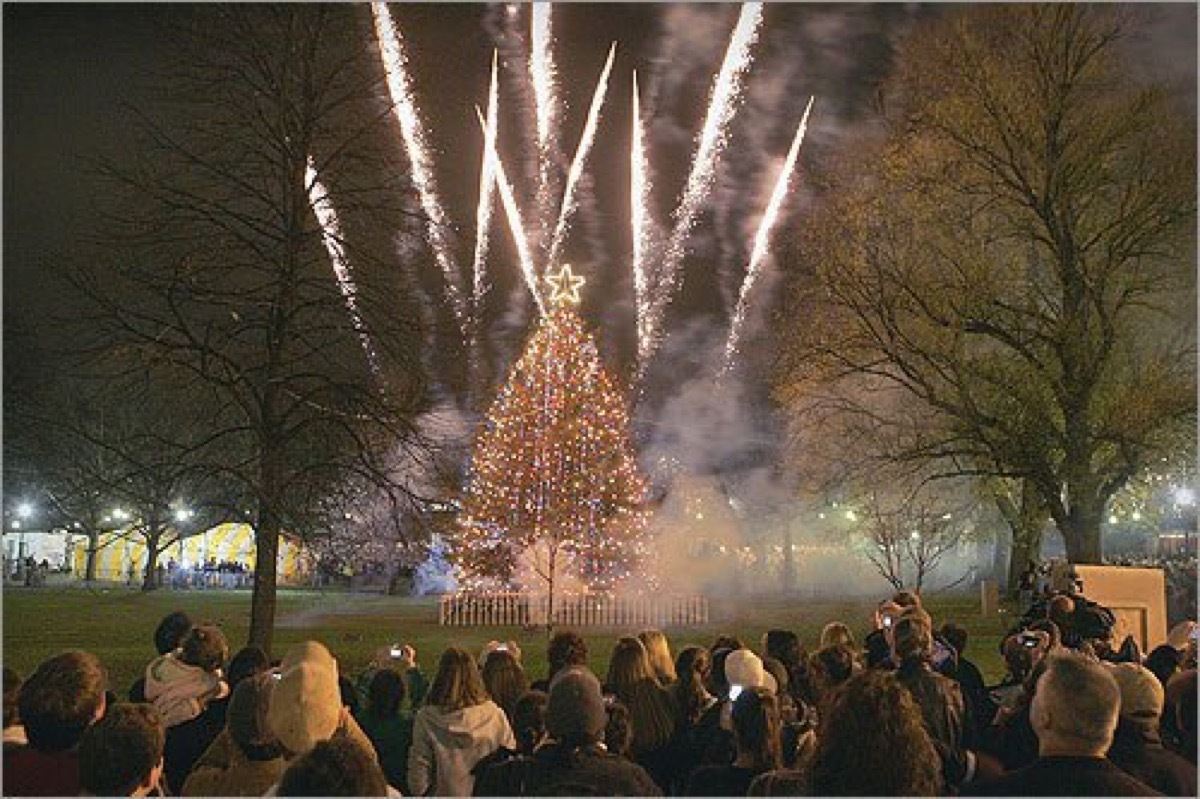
(556, 500)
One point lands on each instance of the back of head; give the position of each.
(658, 651)
(618, 731)
(248, 661)
(247, 718)
(756, 728)
(833, 665)
(628, 666)
(575, 708)
(504, 679)
(912, 639)
(1141, 693)
(692, 667)
(529, 720)
(305, 706)
(60, 700)
(457, 684)
(784, 646)
(907, 599)
(956, 636)
(1060, 609)
(836, 632)
(385, 693)
(120, 753)
(1076, 705)
(339, 767)
(566, 649)
(1164, 661)
(171, 631)
(869, 714)
(1017, 657)
(205, 646)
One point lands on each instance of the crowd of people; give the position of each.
(903, 712)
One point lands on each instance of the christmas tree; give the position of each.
(555, 500)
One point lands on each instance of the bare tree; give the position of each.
(908, 537)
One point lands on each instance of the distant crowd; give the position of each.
(903, 712)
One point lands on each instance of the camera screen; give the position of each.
(735, 691)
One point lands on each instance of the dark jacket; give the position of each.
(557, 771)
(1063, 776)
(31, 772)
(942, 712)
(1138, 750)
(186, 742)
(720, 781)
(392, 737)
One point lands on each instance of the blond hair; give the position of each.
(658, 650)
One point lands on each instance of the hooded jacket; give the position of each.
(180, 691)
(447, 745)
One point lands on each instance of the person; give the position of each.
(62, 698)
(458, 726)
(784, 646)
(181, 683)
(122, 753)
(877, 647)
(756, 735)
(566, 649)
(388, 726)
(830, 666)
(168, 636)
(1137, 746)
(573, 762)
(867, 718)
(699, 738)
(336, 767)
(1179, 715)
(256, 757)
(529, 728)
(14, 730)
(658, 650)
(402, 658)
(618, 730)
(632, 680)
(504, 680)
(1074, 713)
(939, 698)
(1163, 661)
(836, 632)
(980, 707)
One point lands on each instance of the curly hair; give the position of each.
(691, 697)
(868, 714)
(566, 649)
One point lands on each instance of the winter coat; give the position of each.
(1063, 776)
(243, 777)
(555, 771)
(447, 745)
(1138, 750)
(392, 737)
(180, 691)
(942, 712)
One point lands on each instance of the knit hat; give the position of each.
(575, 709)
(305, 706)
(311, 652)
(1141, 692)
(745, 668)
(246, 715)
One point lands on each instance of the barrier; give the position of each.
(518, 608)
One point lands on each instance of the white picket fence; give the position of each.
(515, 608)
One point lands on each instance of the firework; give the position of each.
(569, 201)
(639, 196)
(331, 236)
(762, 237)
(391, 52)
(723, 101)
(487, 180)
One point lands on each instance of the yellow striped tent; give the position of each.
(225, 542)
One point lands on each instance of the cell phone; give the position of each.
(887, 621)
(275, 675)
(735, 691)
(1029, 641)
(501, 647)
(397, 650)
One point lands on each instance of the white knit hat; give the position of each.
(744, 668)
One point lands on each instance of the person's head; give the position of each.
(886, 614)
(1163, 661)
(457, 684)
(725, 641)
(836, 632)
(12, 690)
(504, 679)
(62, 699)
(784, 646)
(1074, 710)
(907, 599)
(122, 753)
(831, 666)
(744, 668)
(912, 639)
(1060, 610)
(618, 730)
(777, 672)
(692, 666)
(1141, 693)
(1052, 631)
(717, 683)
(566, 649)
(337, 767)
(246, 662)
(756, 728)
(247, 718)
(628, 666)
(956, 636)
(869, 714)
(170, 631)
(575, 713)
(205, 646)
(385, 693)
(529, 720)
(1018, 657)
(305, 706)
(658, 650)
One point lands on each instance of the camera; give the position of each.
(501, 647)
(735, 691)
(1029, 640)
(397, 650)
(888, 621)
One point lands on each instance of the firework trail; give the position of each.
(331, 235)
(569, 201)
(762, 237)
(639, 196)
(723, 99)
(391, 52)
(514, 220)
(487, 181)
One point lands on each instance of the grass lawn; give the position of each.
(117, 624)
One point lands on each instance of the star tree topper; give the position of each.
(565, 286)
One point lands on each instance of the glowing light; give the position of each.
(1185, 496)
(1137, 516)
(391, 52)
(639, 195)
(1113, 519)
(726, 91)
(570, 201)
(331, 235)
(762, 237)
(25, 510)
(851, 516)
(183, 514)
(566, 286)
(487, 184)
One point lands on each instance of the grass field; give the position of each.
(117, 624)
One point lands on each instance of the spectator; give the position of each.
(1179, 715)
(877, 643)
(566, 649)
(716, 683)
(1074, 713)
(1137, 746)
(632, 680)
(60, 700)
(255, 760)
(756, 736)
(836, 632)
(618, 730)
(830, 666)
(457, 727)
(939, 699)
(658, 650)
(784, 646)
(389, 728)
(168, 637)
(980, 707)
(529, 721)
(14, 731)
(1163, 661)
(402, 658)
(699, 738)
(181, 683)
(122, 753)
(337, 767)
(504, 680)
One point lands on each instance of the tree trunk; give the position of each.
(1081, 533)
(266, 545)
(1026, 519)
(93, 548)
(150, 574)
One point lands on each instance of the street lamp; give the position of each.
(24, 510)
(183, 514)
